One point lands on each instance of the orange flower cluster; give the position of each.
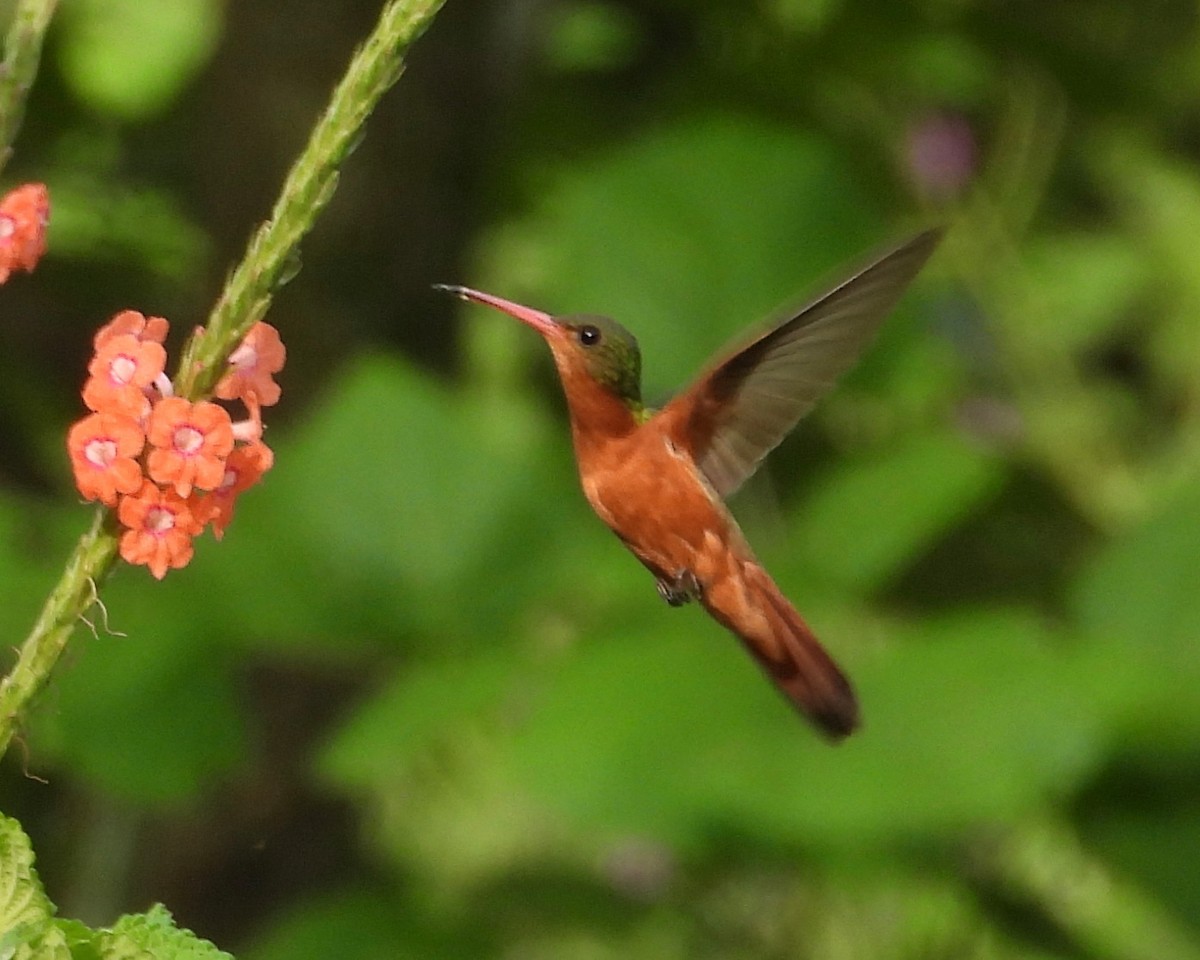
(170, 467)
(24, 216)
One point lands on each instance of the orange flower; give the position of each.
(243, 469)
(103, 447)
(191, 442)
(121, 371)
(160, 531)
(133, 323)
(24, 216)
(257, 357)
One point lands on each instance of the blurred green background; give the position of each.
(419, 702)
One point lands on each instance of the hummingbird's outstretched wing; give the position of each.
(739, 410)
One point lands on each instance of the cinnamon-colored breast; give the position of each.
(652, 496)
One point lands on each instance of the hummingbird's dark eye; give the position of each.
(589, 336)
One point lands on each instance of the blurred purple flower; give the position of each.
(941, 154)
(640, 869)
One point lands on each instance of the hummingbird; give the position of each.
(659, 478)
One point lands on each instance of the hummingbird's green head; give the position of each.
(587, 350)
(608, 353)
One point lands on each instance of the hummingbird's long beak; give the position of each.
(543, 323)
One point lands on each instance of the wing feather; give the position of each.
(740, 410)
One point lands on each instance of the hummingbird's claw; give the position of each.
(680, 589)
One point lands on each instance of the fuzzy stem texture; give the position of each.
(271, 259)
(22, 51)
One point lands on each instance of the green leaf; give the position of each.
(1087, 282)
(154, 936)
(667, 729)
(355, 925)
(49, 943)
(415, 712)
(969, 718)
(26, 932)
(151, 715)
(410, 496)
(590, 35)
(1140, 593)
(132, 59)
(1157, 846)
(427, 753)
(872, 515)
(99, 216)
(79, 938)
(624, 233)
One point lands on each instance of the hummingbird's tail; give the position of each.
(744, 598)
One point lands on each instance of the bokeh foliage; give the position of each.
(994, 522)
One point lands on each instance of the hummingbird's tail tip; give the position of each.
(837, 721)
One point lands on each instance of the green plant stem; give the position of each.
(269, 262)
(76, 591)
(1042, 866)
(272, 257)
(22, 51)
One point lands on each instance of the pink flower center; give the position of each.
(122, 369)
(8, 226)
(159, 520)
(188, 440)
(100, 452)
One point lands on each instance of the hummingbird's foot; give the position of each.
(680, 589)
